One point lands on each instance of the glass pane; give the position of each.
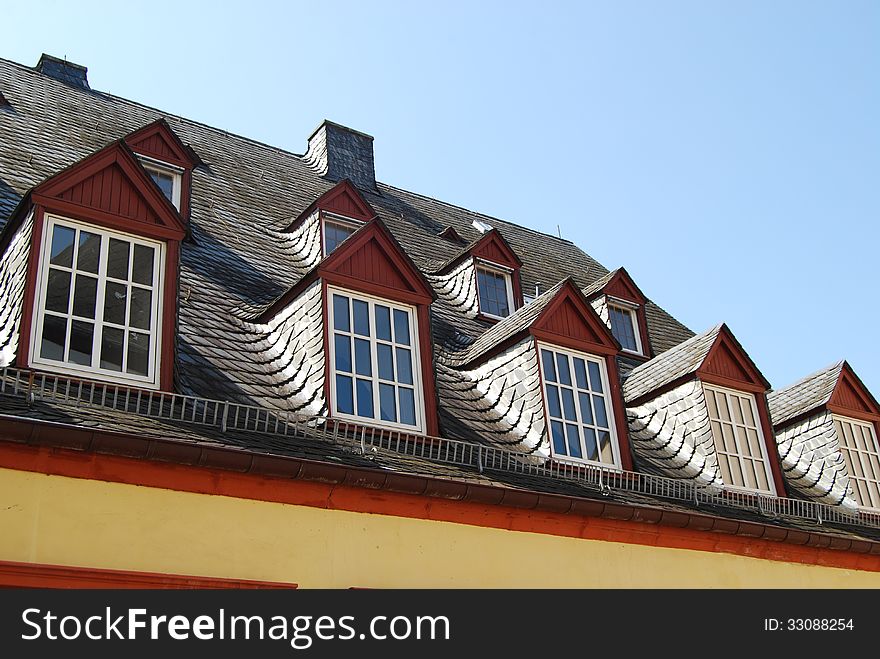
(165, 183)
(342, 347)
(401, 327)
(580, 373)
(736, 472)
(361, 313)
(762, 476)
(383, 322)
(606, 452)
(58, 290)
(142, 269)
(754, 446)
(751, 479)
(344, 395)
(553, 401)
(138, 353)
(340, 313)
(89, 252)
(386, 364)
(568, 404)
(81, 334)
(743, 441)
(387, 408)
(61, 252)
(365, 398)
(407, 406)
(586, 410)
(595, 377)
(747, 412)
(622, 327)
(141, 308)
(558, 438)
(710, 403)
(574, 441)
(117, 259)
(727, 438)
(85, 295)
(114, 302)
(404, 366)
(111, 349)
(53, 337)
(363, 361)
(737, 411)
(562, 368)
(724, 463)
(592, 446)
(549, 366)
(723, 410)
(601, 416)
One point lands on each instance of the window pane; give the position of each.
(111, 349)
(586, 410)
(361, 312)
(363, 361)
(61, 252)
(549, 366)
(81, 334)
(568, 404)
(404, 366)
(407, 406)
(340, 313)
(142, 269)
(574, 441)
(138, 353)
(386, 364)
(737, 411)
(601, 416)
(553, 401)
(383, 322)
(387, 408)
(117, 259)
(723, 410)
(114, 302)
(344, 395)
(89, 252)
(58, 290)
(84, 296)
(747, 412)
(342, 347)
(492, 289)
(606, 452)
(141, 306)
(53, 338)
(562, 368)
(622, 327)
(558, 438)
(365, 398)
(595, 377)
(401, 327)
(580, 373)
(590, 441)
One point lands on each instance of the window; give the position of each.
(335, 231)
(859, 445)
(495, 291)
(167, 177)
(578, 410)
(375, 358)
(739, 442)
(625, 326)
(98, 302)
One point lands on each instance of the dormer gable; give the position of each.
(569, 321)
(342, 199)
(621, 304)
(157, 140)
(852, 398)
(728, 364)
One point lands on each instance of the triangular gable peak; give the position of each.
(493, 248)
(622, 286)
(111, 188)
(343, 199)
(372, 258)
(571, 322)
(852, 398)
(449, 234)
(728, 364)
(158, 141)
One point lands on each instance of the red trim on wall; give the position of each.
(344, 199)
(617, 405)
(171, 293)
(40, 575)
(770, 444)
(852, 398)
(174, 151)
(30, 289)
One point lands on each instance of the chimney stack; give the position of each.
(69, 73)
(337, 152)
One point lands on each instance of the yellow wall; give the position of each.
(88, 523)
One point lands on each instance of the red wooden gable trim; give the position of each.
(110, 188)
(372, 261)
(343, 198)
(571, 322)
(158, 141)
(852, 398)
(492, 247)
(728, 364)
(622, 286)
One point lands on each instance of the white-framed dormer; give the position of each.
(168, 177)
(861, 453)
(494, 289)
(336, 228)
(623, 320)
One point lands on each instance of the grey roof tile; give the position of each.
(805, 395)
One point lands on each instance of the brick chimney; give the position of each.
(69, 73)
(337, 152)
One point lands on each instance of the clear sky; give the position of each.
(726, 153)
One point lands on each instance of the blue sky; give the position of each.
(726, 153)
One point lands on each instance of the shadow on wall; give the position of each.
(9, 199)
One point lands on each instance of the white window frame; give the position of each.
(415, 347)
(719, 441)
(633, 310)
(488, 266)
(176, 173)
(609, 406)
(846, 450)
(339, 220)
(151, 380)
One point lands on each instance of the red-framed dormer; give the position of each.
(100, 297)
(625, 305)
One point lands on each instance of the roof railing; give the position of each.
(227, 416)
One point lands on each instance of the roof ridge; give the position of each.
(812, 376)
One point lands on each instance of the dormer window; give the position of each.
(625, 325)
(858, 443)
(495, 290)
(337, 229)
(167, 177)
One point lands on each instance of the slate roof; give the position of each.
(804, 395)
